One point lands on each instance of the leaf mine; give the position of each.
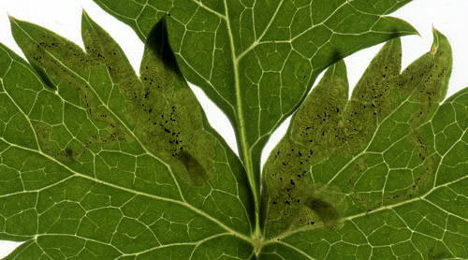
(373, 158)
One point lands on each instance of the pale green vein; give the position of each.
(243, 143)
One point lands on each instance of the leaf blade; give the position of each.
(111, 177)
(385, 190)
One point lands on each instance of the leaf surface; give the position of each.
(381, 175)
(98, 163)
(258, 59)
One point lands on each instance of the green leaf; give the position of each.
(98, 163)
(382, 175)
(258, 59)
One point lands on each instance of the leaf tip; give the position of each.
(399, 27)
(85, 20)
(84, 14)
(440, 41)
(11, 18)
(415, 31)
(16, 23)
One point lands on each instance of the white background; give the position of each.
(64, 17)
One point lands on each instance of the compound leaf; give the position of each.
(97, 162)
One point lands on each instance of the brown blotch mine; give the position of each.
(327, 213)
(197, 174)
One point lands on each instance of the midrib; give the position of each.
(245, 152)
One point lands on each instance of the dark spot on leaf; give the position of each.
(69, 153)
(327, 213)
(195, 170)
(158, 42)
(48, 82)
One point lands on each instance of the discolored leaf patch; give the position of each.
(369, 167)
